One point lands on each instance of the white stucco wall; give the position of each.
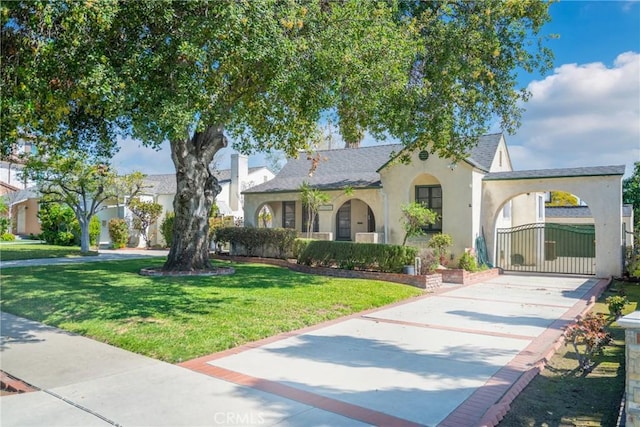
(603, 195)
(360, 199)
(458, 197)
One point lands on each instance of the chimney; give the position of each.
(239, 175)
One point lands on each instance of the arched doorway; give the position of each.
(354, 216)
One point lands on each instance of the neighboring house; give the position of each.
(162, 189)
(369, 185)
(575, 215)
(24, 204)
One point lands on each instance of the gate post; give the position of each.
(631, 324)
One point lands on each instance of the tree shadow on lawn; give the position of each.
(115, 291)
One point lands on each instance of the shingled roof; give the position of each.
(556, 173)
(578, 211)
(347, 167)
(357, 167)
(166, 183)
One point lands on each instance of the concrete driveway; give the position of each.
(454, 358)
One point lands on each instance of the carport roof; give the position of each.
(556, 173)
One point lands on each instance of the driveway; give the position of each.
(454, 358)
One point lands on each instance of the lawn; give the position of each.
(176, 319)
(563, 396)
(18, 251)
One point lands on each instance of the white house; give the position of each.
(162, 189)
(474, 199)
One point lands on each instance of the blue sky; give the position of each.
(584, 112)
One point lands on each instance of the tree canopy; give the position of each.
(263, 72)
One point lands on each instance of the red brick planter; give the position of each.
(428, 282)
(463, 277)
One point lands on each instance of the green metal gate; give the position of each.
(547, 248)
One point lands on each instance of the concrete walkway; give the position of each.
(103, 255)
(454, 358)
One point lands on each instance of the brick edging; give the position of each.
(519, 365)
(428, 282)
(14, 385)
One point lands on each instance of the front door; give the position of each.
(343, 222)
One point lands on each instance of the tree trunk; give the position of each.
(85, 245)
(197, 189)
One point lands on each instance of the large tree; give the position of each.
(79, 181)
(432, 74)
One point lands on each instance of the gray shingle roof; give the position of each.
(348, 167)
(578, 211)
(482, 155)
(556, 173)
(567, 212)
(166, 183)
(358, 167)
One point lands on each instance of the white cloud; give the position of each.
(582, 115)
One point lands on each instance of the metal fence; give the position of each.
(547, 248)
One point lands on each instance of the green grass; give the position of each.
(20, 251)
(562, 396)
(176, 319)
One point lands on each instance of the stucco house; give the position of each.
(161, 189)
(476, 197)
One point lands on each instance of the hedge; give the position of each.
(357, 256)
(261, 242)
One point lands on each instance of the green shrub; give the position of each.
(59, 224)
(119, 232)
(440, 242)
(262, 242)
(4, 225)
(616, 304)
(468, 262)
(166, 228)
(360, 256)
(299, 245)
(94, 231)
(7, 237)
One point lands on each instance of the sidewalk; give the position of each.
(456, 358)
(103, 255)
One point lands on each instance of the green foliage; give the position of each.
(146, 214)
(562, 198)
(166, 228)
(434, 75)
(360, 256)
(265, 217)
(312, 199)
(94, 230)
(58, 223)
(7, 237)
(631, 194)
(5, 220)
(415, 217)
(440, 242)
(468, 262)
(5, 223)
(259, 241)
(119, 232)
(616, 304)
(299, 245)
(588, 337)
